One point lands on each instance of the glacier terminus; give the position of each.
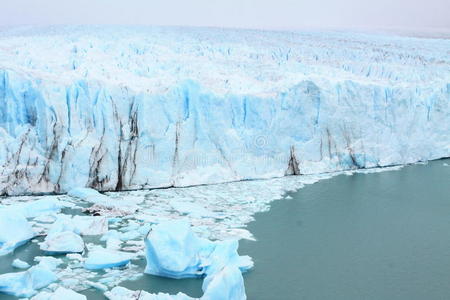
(124, 108)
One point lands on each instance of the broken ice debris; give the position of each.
(61, 293)
(84, 225)
(121, 293)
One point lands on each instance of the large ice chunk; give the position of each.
(26, 284)
(14, 230)
(173, 250)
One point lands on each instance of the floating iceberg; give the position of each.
(132, 108)
(14, 230)
(105, 258)
(62, 243)
(173, 250)
(26, 284)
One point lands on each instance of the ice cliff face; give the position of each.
(128, 108)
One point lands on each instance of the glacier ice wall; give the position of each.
(117, 108)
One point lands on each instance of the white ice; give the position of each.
(121, 293)
(106, 258)
(174, 250)
(182, 106)
(26, 284)
(62, 243)
(14, 230)
(20, 264)
(61, 293)
(84, 225)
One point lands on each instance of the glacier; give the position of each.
(121, 108)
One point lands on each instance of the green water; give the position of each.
(367, 236)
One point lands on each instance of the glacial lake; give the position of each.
(367, 236)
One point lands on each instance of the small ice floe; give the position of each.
(20, 264)
(48, 262)
(62, 243)
(173, 250)
(91, 225)
(101, 258)
(61, 293)
(121, 293)
(445, 164)
(26, 284)
(97, 285)
(14, 230)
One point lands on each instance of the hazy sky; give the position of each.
(273, 14)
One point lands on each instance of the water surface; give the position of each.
(367, 236)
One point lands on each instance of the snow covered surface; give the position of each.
(116, 108)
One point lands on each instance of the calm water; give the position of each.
(367, 236)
